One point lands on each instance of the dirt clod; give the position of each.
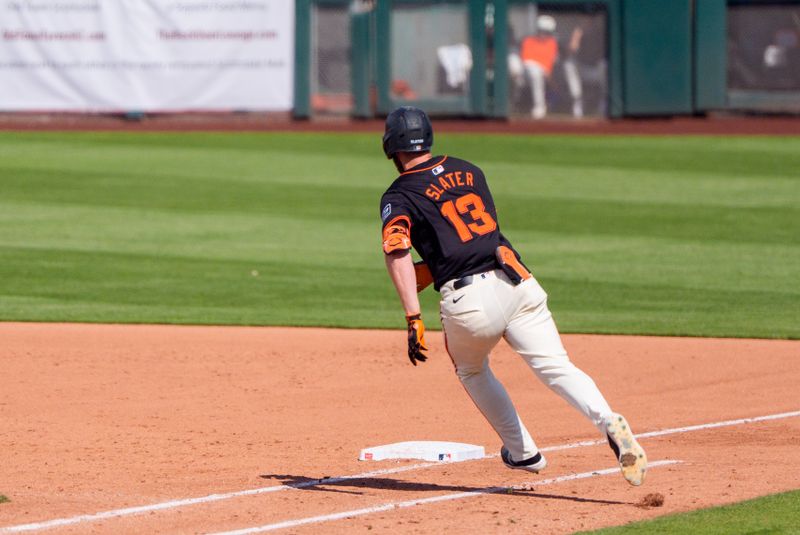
(654, 499)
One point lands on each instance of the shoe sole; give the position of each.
(534, 468)
(632, 459)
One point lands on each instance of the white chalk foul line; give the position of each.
(59, 522)
(677, 430)
(434, 499)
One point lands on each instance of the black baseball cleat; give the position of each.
(535, 464)
(630, 455)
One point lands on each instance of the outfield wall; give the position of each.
(613, 58)
(362, 58)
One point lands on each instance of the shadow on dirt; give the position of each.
(328, 484)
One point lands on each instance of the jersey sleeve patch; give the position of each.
(386, 212)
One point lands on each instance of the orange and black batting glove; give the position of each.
(416, 339)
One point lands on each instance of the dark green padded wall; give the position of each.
(657, 62)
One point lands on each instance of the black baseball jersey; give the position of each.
(451, 215)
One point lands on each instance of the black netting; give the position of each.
(764, 47)
(330, 59)
(558, 60)
(431, 57)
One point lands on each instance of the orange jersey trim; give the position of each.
(425, 169)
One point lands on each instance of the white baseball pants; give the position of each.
(536, 76)
(474, 319)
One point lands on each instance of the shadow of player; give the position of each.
(328, 484)
(339, 484)
(533, 494)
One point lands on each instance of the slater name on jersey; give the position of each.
(448, 181)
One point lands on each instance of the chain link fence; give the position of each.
(431, 56)
(558, 61)
(330, 59)
(764, 53)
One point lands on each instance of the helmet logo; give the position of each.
(417, 140)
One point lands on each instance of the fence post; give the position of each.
(302, 59)
(710, 55)
(360, 53)
(383, 56)
(477, 76)
(499, 100)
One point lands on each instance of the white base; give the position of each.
(426, 450)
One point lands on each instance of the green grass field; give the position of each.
(772, 515)
(660, 235)
(642, 235)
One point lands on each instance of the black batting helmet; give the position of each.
(408, 129)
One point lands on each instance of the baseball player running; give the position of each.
(441, 206)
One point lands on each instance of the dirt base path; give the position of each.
(98, 418)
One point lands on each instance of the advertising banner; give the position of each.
(146, 55)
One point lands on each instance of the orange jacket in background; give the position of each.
(541, 49)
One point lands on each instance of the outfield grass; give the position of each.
(646, 235)
(777, 514)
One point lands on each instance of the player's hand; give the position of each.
(416, 339)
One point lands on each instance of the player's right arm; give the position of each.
(397, 251)
(396, 219)
(401, 271)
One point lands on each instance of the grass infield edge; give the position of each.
(773, 513)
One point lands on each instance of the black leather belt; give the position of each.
(463, 281)
(467, 280)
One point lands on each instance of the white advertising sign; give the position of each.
(148, 55)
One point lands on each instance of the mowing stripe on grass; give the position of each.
(663, 236)
(128, 511)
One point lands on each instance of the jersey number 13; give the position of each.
(470, 204)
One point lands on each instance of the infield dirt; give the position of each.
(100, 417)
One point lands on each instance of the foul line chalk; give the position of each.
(115, 513)
(434, 499)
(60, 522)
(677, 430)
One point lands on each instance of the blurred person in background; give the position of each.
(538, 54)
(571, 72)
(585, 67)
(782, 57)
